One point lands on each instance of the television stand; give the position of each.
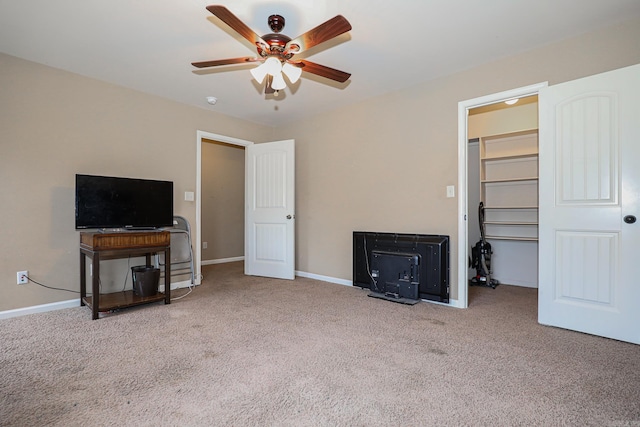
(100, 246)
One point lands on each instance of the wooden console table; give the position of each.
(100, 246)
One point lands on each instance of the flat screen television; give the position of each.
(107, 202)
(402, 266)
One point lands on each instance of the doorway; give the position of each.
(201, 139)
(223, 199)
(464, 209)
(269, 247)
(503, 169)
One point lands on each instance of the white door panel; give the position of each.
(589, 181)
(270, 240)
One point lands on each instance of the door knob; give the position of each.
(629, 219)
(288, 216)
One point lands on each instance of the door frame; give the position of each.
(463, 183)
(201, 136)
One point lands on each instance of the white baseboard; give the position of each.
(345, 282)
(324, 278)
(40, 308)
(178, 285)
(451, 303)
(521, 284)
(69, 303)
(222, 260)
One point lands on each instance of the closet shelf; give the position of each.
(510, 223)
(508, 173)
(510, 156)
(493, 181)
(512, 207)
(523, 239)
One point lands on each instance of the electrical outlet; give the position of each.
(205, 245)
(22, 277)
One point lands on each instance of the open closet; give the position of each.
(503, 174)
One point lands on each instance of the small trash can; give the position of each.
(145, 280)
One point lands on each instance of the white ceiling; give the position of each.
(149, 45)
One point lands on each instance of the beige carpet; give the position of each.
(250, 351)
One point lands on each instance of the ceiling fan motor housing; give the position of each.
(276, 41)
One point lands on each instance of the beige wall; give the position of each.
(384, 164)
(380, 165)
(222, 200)
(55, 124)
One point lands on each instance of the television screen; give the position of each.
(129, 203)
(404, 265)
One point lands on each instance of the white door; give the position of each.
(589, 183)
(269, 205)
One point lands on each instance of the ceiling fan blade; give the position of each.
(320, 34)
(323, 71)
(236, 24)
(215, 63)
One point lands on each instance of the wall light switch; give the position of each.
(188, 196)
(451, 191)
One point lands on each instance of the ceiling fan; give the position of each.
(276, 51)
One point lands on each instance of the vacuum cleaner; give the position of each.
(481, 257)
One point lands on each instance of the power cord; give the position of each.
(182, 296)
(126, 275)
(191, 288)
(50, 287)
(88, 293)
(366, 257)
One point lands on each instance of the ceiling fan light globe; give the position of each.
(278, 82)
(273, 65)
(259, 73)
(292, 72)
